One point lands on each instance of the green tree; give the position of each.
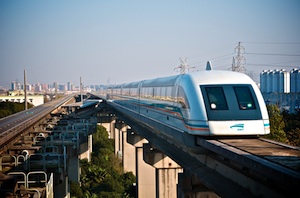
(103, 176)
(294, 136)
(75, 190)
(8, 108)
(292, 127)
(276, 124)
(4, 113)
(291, 120)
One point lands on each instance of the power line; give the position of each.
(269, 54)
(222, 57)
(297, 62)
(265, 64)
(214, 59)
(275, 43)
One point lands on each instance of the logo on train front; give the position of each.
(238, 127)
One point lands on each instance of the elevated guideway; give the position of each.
(14, 125)
(235, 167)
(42, 147)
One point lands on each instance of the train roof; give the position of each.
(166, 81)
(219, 77)
(199, 77)
(202, 77)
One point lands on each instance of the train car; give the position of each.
(205, 103)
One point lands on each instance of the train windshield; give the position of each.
(230, 102)
(244, 97)
(216, 98)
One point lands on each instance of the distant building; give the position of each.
(295, 80)
(15, 85)
(3, 91)
(18, 96)
(69, 86)
(275, 81)
(28, 87)
(37, 87)
(45, 87)
(16, 93)
(281, 87)
(62, 87)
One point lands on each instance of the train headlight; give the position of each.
(213, 106)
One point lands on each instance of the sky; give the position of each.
(122, 41)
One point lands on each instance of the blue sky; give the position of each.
(124, 41)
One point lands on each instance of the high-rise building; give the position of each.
(45, 87)
(69, 86)
(15, 85)
(62, 87)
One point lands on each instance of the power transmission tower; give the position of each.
(239, 60)
(183, 67)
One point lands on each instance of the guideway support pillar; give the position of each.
(145, 174)
(110, 128)
(129, 155)
(190, 186)
(118, 136)
(166, 171)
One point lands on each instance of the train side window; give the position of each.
(145, 92)
(244, 97)
(149, 91)
(126, 91)
(182, 99)
(133, 92)
(169, 94)
(163, 93)
(216, 97)
(153, 90)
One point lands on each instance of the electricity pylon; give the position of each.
(239, 60)
(183, 67)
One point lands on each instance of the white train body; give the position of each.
(208, 103)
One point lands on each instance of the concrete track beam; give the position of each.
(190, 186)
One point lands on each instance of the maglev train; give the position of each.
(205, 103)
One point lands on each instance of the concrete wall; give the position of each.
(36, 100)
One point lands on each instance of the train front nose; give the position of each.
(232, 110)
(241, 127)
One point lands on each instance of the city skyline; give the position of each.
(119, 42)
(39, 87)
(68, 85)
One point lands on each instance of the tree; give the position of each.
(75, 190)
(294, 136)
(292, 127)
(8, 108)
(276, 124)
(103, 176)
